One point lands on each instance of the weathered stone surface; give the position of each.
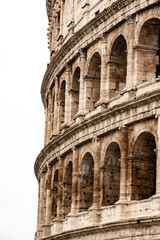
(99, 170)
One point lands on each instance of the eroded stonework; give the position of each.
(99, 170)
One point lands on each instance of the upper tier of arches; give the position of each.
(102, 72)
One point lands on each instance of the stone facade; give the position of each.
(99, 170)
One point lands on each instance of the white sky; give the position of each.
(23, 61)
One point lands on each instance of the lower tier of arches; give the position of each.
(108, 179)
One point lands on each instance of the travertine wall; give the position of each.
(99, 170)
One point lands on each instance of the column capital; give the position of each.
(130, 19)
(96, 139)
(83, 53)
(68, 67)
(157, 113)
(103, 37)
(74, 148)
(49, 94)
(56, 79)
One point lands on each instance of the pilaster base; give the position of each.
(46, 230)
(56, 227)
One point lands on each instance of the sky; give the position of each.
(24, 56)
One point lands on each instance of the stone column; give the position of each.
(49, 116)
(158, 157)
(82, 74)
(48, 196)
(47, 225)
(38, 204)
(60, 191)
(123, 168)
(41, 210)
(96, 185)
(130, 54)
(55, 129)
(46, 126)
(67, 98)
(108, 87)
(75, 181)
(103, 69)
(61, 17)
(53, 41)
(101, 177)
(78, 189)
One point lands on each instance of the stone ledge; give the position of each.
(123, 106)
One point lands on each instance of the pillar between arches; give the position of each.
(82, 64)
(48, 195)
(101, 176)
(60, 191)
(130, 54)
(103, 92)
(55, 130)
(96, 184)
(74, 205)
(47, 224)
(124, 162)
(41, 210)
(49, 131)
(67, 97)
(46, 122)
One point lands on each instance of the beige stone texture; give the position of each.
(99, 170)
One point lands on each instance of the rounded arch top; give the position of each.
(94, 64)
(76, 77)
(141, 131)
(112, 154)
(145, 145)
(149, 32)
(142, 23)
(87, 164)
(119, 35)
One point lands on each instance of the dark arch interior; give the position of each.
(86, 182)
(55, 194)
(111, 175)
(93, 80)
(75, 92)
(67, 184)
(149, 39)
(62, 103)
(144, 167)
(118, 66)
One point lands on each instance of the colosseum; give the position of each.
(99, 170)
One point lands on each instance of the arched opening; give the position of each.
(75, 93)
(92, 81)
(148, 59)
(67, 184)
(111, 175)
(54, 194)
(62, 103)
(144, 167)
(118, 66)
(86, 183)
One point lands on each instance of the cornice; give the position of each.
(110, 112)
